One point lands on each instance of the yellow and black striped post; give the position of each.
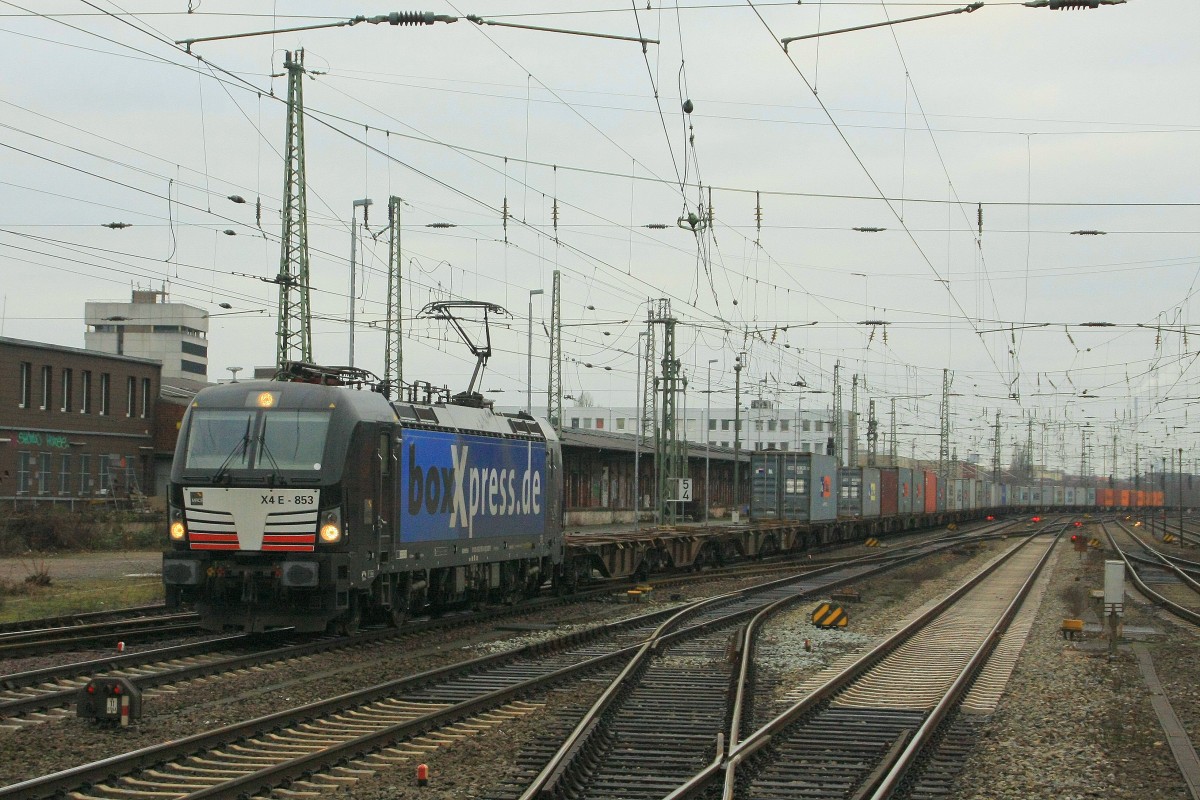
(827, 615)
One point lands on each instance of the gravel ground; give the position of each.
(1073, 724)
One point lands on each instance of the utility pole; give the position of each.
(393, 347)
(737, 433)
(365, 204)
(872, 435)
(996, 455)
(554, 383)
(852, 447)
(892, 439)
(649, 423)
(637, 442)
(1083, 454)
(294, 333)
(1029, 449)
(708, 439)
(837, 413)
(668, 459)
(944, 437)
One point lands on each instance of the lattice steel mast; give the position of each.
(668, 450)
(872, 435)
(554, 384)
(294, 334)
(852, 445)
(393, 355)
(944, 437)
(837, 413)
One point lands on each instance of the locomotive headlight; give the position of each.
(331, 527)
(177, 529)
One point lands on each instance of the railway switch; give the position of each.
(115, 701)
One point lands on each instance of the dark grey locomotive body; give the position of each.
(311, 506)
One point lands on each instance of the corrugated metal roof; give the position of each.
(626, 443)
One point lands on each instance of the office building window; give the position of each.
(130, 395)
(26, 385)
(45, 465)
(770, 424)
(85, 474)
(67, 378)
(758, 445)
(783, 445)
(599, 422)
(574, 422)
(104, 395)
(105, 475)
(784, 424)
(145, 397)
(807, 425)
(620, 423)
(820, 426)
(724, 444)
(23, 459)
(64, 476)
(807, 447)
(85, 392)
(758, 425)
(724, 424)
(46, 375)
(712, 424)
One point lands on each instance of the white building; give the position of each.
(763, 425)
(175, 334)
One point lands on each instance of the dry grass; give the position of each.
(41, 595)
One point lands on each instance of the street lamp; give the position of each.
(737, 433)
(707, 439)
(364, 204)
(529, 355)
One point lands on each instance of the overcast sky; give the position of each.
(1048, 121)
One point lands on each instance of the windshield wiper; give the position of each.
(276, 474)
(241, 447)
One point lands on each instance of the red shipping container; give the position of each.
(930, 492)
(1158, 499)
(1104, 498)
(1124, 500)
(889, 492)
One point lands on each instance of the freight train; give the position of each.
(315, 502)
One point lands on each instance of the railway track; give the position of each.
(39, 641)
(363, 730)
(659, 720)
(71, 620)
(1180, 596)
(860, 733)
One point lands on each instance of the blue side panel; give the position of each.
(457, 486)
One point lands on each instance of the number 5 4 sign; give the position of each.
(685, 490)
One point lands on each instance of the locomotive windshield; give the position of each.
(266, 439)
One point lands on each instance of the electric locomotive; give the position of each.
(314, 502)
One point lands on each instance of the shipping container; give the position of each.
(929, 478)
(1058, 496)
(1025, 497)
(858, 492)
(1090, 499)
(979, 494)
(1123, 500)
(905, 499)
(897, 497)
(1104, 497)
(1003, 501)
(799, 486)
(889, 492)
(1069, 495)
(918, 492)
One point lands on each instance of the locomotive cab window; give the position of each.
(265, 439)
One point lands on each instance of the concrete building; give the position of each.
(764, 426)
(174, 334)
(74, 425)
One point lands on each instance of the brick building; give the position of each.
(75, 424)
